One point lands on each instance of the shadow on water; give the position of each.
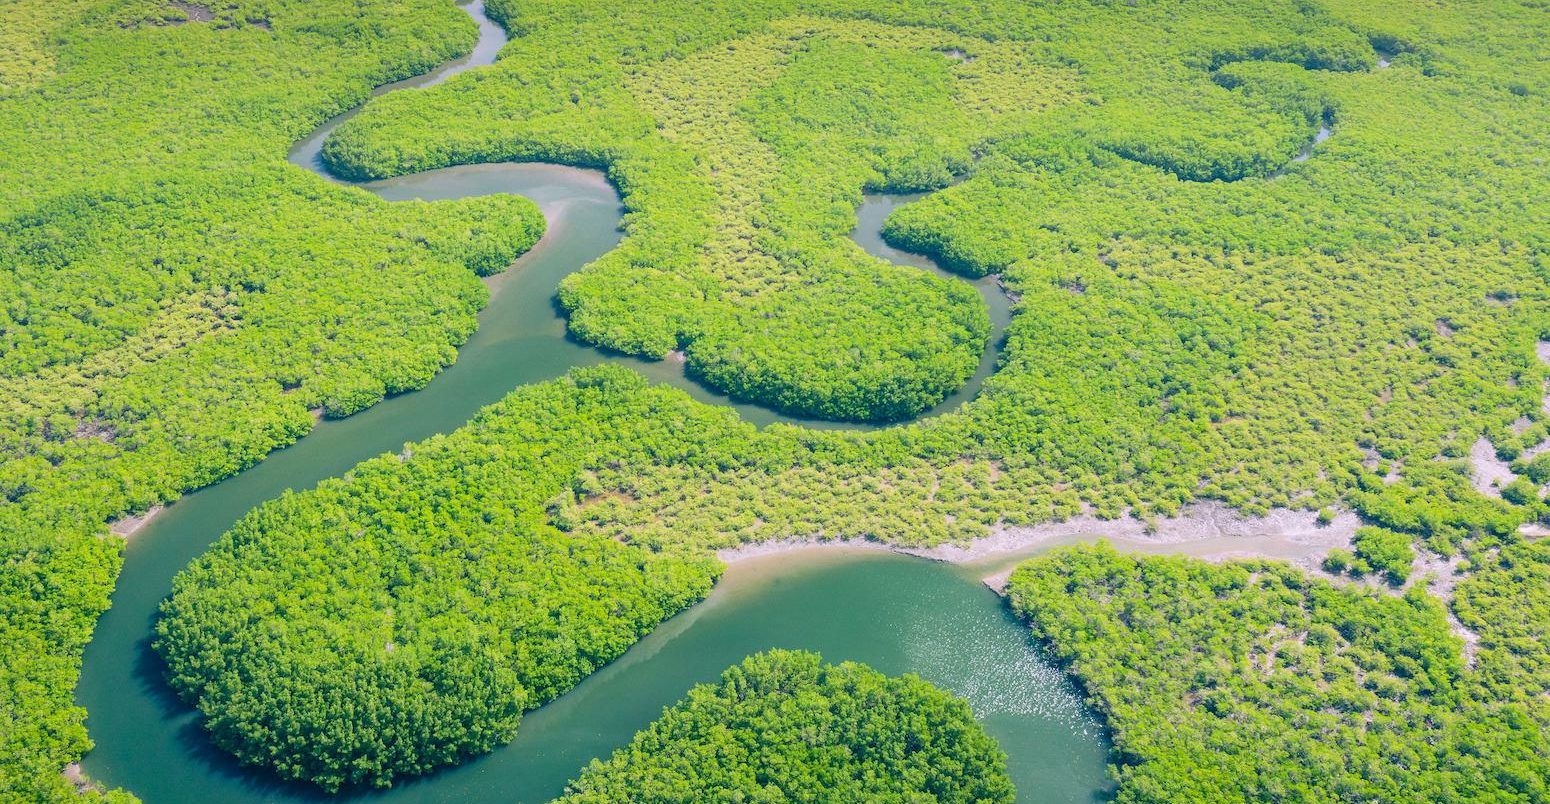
(898, 614)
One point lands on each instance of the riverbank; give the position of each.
(1206, 531)
(127, 526)
(1210, 531)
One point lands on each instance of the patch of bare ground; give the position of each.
(1488, 471)
(1011, 295)
(745, 552)
(223, 16)
(997, 581)
(1442, 576)
(1533, 530)
(1210, 531)
(1537, 449)
(194, 12)
(77, 777)
(1371, 461)
(97, 429)
(130, 525)
(1208, 528)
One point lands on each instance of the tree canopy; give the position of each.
(781, 726)
(1201, 312)
(1250, 681)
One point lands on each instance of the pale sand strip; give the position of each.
(130, 525)
(1208, 530)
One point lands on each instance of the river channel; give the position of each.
(895, 613)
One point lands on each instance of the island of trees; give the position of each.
(782, 726)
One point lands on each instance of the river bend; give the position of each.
(897, 614)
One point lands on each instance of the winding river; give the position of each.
(898, 614)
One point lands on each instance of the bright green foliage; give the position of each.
(782, 727)
(1241, 340)
(175, 298)
(1507, 602)
(24, 57)
(1251, 682)
(1521, 491)
(48, 602)
(1536, 469)
(424, 595)
(1384, 551)
(1340, 560)
(741, 166)
(1436, 503)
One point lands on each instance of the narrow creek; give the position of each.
(898, 614)
(561, 187)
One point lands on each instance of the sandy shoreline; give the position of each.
(1209, 531)
(77, 777)
(128, 526)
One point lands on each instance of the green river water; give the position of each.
(895, 613)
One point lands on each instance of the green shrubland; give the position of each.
(175, 298)
(1174, 337)
(1384, 551)
(1198, 316)
(1252, 682)
(783, 727)
(741, 167)
(425, 594)
(565, 453)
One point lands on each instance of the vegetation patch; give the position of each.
(1199, 315)
(1250, 681)
(425, 595)
(175, 298)
(742, 167)
(783, 727)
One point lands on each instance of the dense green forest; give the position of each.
(781, 726)
(1251, 682)
(175, 299)
(1174, 338)
(1201, 314)
(425, 593)
(415, 568)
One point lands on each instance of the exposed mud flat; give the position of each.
(1200, 522)
(1210, 531)
(130, 525)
